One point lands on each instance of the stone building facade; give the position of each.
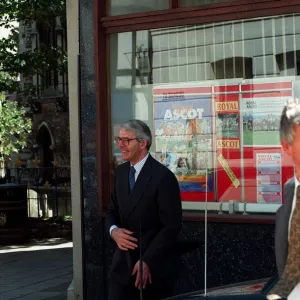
(50, 138)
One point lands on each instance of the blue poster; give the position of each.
(183, 139)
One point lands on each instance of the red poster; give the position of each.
(228, 146)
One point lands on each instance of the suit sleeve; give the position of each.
(279, 243)
(170, 214)
(113, 216)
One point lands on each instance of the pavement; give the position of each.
(40, 270)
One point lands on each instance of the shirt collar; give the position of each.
(140, 163)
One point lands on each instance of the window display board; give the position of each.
(222, 142)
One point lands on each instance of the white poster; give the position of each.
(261, 118)
(269, 178)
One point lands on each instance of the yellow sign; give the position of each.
(228, 144)
(228, 171)
(227, 106)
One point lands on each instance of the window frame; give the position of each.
(105, 25)
(181, 16)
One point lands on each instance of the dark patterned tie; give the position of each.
(291, 274)
(131, 178)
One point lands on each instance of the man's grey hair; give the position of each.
(141, 130)
(289, 118)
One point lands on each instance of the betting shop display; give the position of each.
(222, 142)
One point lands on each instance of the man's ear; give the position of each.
(144, 143)
(286, 147)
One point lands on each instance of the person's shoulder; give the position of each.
(289, 188)
(290, 182)
(160, 168)
(122, 167)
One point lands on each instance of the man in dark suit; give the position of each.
(144, 219)
(287, 232)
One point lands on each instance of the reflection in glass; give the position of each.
(212, 95)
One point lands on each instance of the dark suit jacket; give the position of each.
(282, 226)
(155, 205)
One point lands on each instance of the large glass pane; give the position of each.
(123, 7)
(185, 3)
(212, 95)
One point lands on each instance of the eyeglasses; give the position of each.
(124, 141)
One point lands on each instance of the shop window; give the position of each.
(212, 95)
(185, 3)
(123, 7)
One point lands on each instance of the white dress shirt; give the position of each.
(294, 203)
(295, 294)
(138, 168)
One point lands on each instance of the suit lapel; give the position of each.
(287, 207)
(282, 226)
(289, 197)
(123, 189)
(139, 188)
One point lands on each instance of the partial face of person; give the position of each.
(132, 149)
(182, 164)
(293, 149)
